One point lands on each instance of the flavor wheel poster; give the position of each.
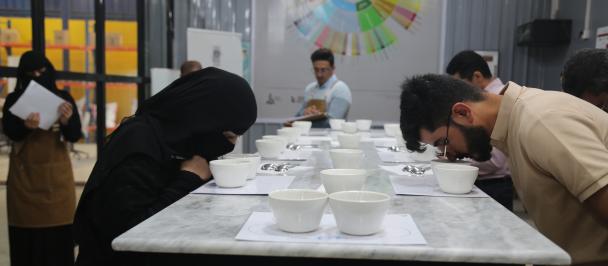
(351, 27)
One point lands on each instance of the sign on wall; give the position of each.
(216, 48)
(601, 39)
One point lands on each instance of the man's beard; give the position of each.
(478, 142)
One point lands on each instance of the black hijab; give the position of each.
(29, 62)
(193, 111)
(186, 118)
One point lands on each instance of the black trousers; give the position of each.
(500, 189)
(41, 246)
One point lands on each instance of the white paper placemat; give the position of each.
(395, 157)
(399, 229)
(261, 185)
(427, 185)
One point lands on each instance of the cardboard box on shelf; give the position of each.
(61, 37)
(113, 39)
(9, 36)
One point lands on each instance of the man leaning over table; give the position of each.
(494, 175)
(557, 147)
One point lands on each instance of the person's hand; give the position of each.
(288, 124)
(311, 110)
(32, 121)
(65, 112)
(198, 166)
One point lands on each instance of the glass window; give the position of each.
(15, 37)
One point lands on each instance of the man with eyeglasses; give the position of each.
(557, 147)
(494, 175)
(585, 76)
(328, 97)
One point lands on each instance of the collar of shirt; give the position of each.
(495, 86)
(511, 93)
(328, 82)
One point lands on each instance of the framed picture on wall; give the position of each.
(491, 58)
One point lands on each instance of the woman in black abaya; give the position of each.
(40, 192)
(158, 156)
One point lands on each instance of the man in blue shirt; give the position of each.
(328, 97)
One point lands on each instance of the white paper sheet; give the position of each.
(261, 185)
(399, 229)
(427, 185)
(37, 99)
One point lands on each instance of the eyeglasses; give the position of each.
(446, 141)
(322, 70)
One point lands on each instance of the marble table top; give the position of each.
(475, 230)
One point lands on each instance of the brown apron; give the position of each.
(40, 185)
(321, 104)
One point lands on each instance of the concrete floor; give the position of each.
(82, 168)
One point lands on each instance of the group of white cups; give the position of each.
(356, 212)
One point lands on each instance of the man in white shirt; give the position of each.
(494, 175)
(327, 97)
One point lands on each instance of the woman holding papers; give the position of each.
(158, 156)
(40, 185)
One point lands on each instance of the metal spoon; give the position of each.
(284, 167)
(395, 148)
(293, 147)
(415, 170)
(268, 166)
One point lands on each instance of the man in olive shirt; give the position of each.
(557, 146)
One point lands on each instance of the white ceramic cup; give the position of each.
(269, 148)
(399, 139)
(363, 124)
(455, 178)
(359, 212)
(391, 129)
(349, 141)
(336, 124)
(304, 126)
(297, 210)
(349, 127)
(346, 158)
(230, 173)
(254, 159)
(436, 162)
(283, 139)
(335, 180)
(290, 133)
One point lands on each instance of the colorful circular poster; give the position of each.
(351, 27)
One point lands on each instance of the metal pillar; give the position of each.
(141, 50)
(37, 13)
(100, 69)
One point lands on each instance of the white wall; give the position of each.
(282, 66)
